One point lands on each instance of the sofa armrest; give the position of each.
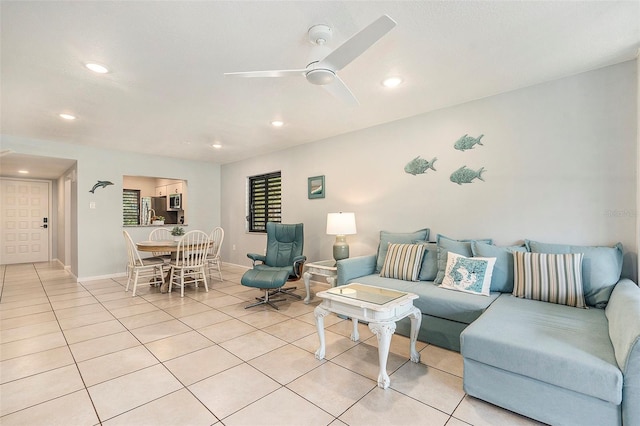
(623, 313)
(355, 267)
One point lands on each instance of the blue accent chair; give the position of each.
(282, 262)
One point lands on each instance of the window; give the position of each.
(148, 196)
(131, 207)
(264, 201)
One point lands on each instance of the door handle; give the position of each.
(45, 226)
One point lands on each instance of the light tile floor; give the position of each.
(88, 353)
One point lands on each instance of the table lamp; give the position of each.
(341, 224)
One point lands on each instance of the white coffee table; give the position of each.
(324, 268)
(380, 307)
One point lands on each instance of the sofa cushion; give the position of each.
(446, 244)
(555, 344)
(436, 301)
(400, 238)
(553, 278)
(601, 268)
(502, 277)
(403, 261)
(429, 268)
(468, 274)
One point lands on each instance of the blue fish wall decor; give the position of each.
(419, 166)
(465, 175)
(100, 184)
(467, 142)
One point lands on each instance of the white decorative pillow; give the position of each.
(402, 261)
(468, 274)
(553, 278)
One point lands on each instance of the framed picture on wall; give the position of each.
(316, 187)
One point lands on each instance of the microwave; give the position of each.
(175, 201)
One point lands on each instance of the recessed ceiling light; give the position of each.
(216, 145)
(23, 172)
(97, 68)
(67, 116)
(186, 143)
(277, 123)
(392, 82)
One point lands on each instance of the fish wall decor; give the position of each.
(419, 166)
(100, 184)
(466, 175)
(467, 142)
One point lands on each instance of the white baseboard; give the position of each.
(103, 277)
(236, 265)
(66, 268)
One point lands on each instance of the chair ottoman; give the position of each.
(265, 280)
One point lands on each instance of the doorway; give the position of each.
(25, 230)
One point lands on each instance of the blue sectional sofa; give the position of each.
(558, 364)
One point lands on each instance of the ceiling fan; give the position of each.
(322, 67)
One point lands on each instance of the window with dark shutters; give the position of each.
(264, 201)
(131, 207)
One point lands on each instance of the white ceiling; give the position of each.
(166, 93)
(37, 167)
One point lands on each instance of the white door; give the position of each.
(24, 221)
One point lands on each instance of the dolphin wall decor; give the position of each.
(100, 184)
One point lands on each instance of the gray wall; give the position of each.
(560, 161)
(100, 249)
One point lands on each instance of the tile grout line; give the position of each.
(75, 363)
(52, 369)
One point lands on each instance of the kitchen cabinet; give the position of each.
(161, 191)
(174, 188)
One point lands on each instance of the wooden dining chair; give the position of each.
(189, 265)
(213, 256)
(139, 267)
(161, 234)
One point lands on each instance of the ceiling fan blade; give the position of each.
(358, 44)
(273, 73)
(340, 90)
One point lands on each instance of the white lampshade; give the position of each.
(343, 223)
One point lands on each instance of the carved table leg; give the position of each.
(307, 277)
(355, 336)
(416, 319)
(320, 313)
(383, 331)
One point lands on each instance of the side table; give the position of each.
(325, 268)
(381, 308)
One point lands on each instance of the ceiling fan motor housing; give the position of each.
(320, 76)
(320, 34)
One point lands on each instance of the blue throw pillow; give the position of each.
(398, 238)
(445, 245)
(502, 278)
(429, 268)
(601, 268)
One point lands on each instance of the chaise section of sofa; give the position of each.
(558, 364)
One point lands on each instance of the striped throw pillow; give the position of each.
(554, 278)
(402, 261)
